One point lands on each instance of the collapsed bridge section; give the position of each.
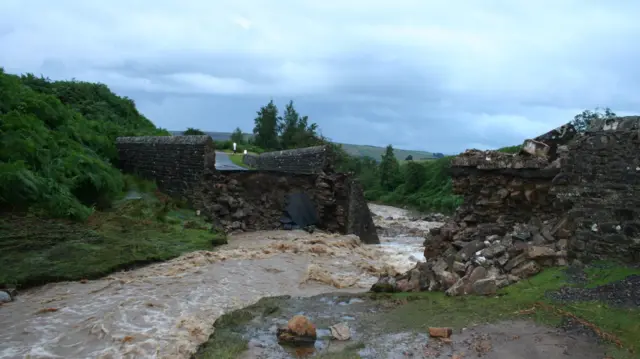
(183, 166)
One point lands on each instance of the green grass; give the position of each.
(36, 250)
(236, 158)
(607, 274)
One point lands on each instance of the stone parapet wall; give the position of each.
(250, 160)
(308, 160)
(176, 163)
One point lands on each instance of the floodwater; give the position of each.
(166, 310)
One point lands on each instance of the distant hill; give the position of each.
(374, 152)
(216, 136)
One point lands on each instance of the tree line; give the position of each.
(273, 131)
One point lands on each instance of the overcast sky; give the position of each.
(419, 74)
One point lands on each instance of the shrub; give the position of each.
(57, 144)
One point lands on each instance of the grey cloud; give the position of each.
(414, 74)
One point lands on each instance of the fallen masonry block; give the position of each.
(535, 148)
(440, 332)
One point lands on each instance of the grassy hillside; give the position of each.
(376, 152)
(57, 144)
(64, 214)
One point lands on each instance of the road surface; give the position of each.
(223, 163)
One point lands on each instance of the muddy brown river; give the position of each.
(166, 310)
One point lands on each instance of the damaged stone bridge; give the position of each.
(301, 181)
(567, 196)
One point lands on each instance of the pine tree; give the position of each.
(389, 170)
(266, 127)
(289, 127)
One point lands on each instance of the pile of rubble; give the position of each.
(459, 264)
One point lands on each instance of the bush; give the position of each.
(57, 144)
(425, 185)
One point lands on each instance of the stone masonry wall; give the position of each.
(176, 163)
(255, 200)
(309, 160)
(600, 183)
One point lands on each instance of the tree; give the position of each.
(582, 120)
(389, 170)
(288, 126)
(193, 132)
(414, 177)
(266, 127)
(237, 136)
(409, 158)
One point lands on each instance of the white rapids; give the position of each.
(166, 310)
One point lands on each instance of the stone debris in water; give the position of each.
(340, 331)
(298, 332)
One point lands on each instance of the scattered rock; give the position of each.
(385, 284)
(437, 332)
(340, 331)
(624, 293)
(538, 252)
(485, 286)
(526, 269)
(299, 331)
(5, 297)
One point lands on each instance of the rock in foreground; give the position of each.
(298, 332)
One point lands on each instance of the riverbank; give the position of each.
(524, 320)
(141, 228)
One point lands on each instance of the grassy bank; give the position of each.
(63, 211)
(140, 229)
(417, 311)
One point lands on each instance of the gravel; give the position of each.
(623, 293)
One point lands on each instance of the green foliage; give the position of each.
(57, 144)
(389, 170)
(237, 136)
(295, 131)
(193, 132)
(376, 152)
(409, 158)
(425, 186)
(266, 127)
(273, 132)
(414, 176)
(582, 120)
(510, 149)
